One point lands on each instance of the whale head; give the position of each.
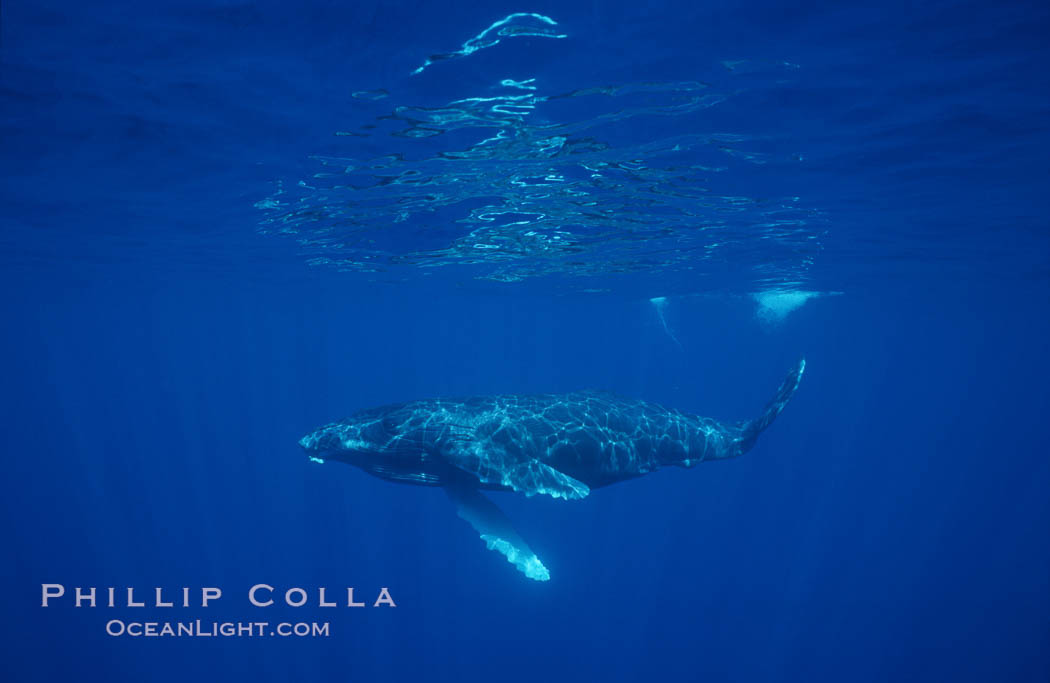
(386, 442)
(366, 432)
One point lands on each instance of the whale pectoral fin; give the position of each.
(529, 477)
(496, 530)
(534, 477)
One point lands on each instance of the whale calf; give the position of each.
(557, 445)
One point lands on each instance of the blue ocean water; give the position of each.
(227, 223)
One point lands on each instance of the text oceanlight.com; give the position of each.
(197, 628)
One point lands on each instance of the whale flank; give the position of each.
(559, 445)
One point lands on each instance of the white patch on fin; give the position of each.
(525, 561)
(496, 530)
(535, 477)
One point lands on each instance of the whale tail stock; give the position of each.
(750, 430)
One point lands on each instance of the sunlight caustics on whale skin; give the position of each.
(511, 26)
(563, 446)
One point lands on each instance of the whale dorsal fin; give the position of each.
(496, 530)
(530, 477)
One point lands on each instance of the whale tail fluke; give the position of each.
(749, 431)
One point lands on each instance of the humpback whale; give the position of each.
(557, 445)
